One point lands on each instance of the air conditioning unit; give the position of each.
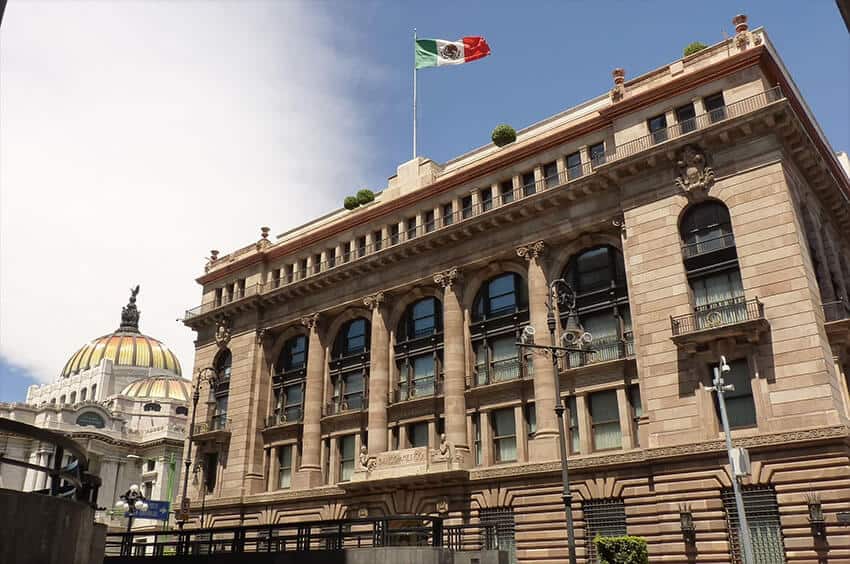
(740, 462)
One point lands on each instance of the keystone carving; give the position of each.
(374, 300)
(531, 251)
(447, 277)
(222, 332)
(694, 174)
(309, 321)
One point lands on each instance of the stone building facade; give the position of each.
(370, 365)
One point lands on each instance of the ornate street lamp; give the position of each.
(210, 376)
(132, 501)
(574, 337)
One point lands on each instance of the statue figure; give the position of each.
(130, 313)
(366, 461)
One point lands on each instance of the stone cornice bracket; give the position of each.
(222, 332)
(531, 251)
(261, 335)
(373, 301)
(447, 278)
(310, 321)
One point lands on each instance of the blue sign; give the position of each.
(156, 510)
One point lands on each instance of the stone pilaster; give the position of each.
(310, 472)
(544, 446)
(454, 371)
(379, 375)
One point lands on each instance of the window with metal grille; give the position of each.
(603, 517)
(498, 530)
(763, 519)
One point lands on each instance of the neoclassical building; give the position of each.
(123, 398)
(368, 361)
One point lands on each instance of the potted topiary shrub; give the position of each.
(621, 550)
(694, 47)
(350, 202)
(503, 135)
(365, 196)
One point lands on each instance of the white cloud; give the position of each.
(136, 136)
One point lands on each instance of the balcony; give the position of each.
(498, 371)
(425, 388)
(708, 246)
(216, 429)
(606, 349)
(288, 416)
(349, 404)
(226, 299)
(730, 318)
(837, 317)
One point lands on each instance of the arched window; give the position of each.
(706, 228)
(62, 399)
(83, 394)
(153, 406)
(500, 310)
(288, 381)
(73, 397)
(182, 410)
(220, 393)
(349, 366)
(91, 419)
(93, 392)
(418, 350)
(598, 277)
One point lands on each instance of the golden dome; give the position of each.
(125, 347)
(159, 387)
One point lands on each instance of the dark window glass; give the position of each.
(302, 268)
(506, 191)
(528, 185)
(550, 175)
(597, 154)
(417, 434)
(210, 470)
(354, 336)
(394, 234)
(605, 420)
(361, 246)
(377, 242)
(658, 128)
(293, 356)
(424, 317)
(91, 419)
(331, 254)
(223, 363)
(152, 407)
(740, 406)
(636, 406)
(504, 434)
(317, 263)
(706, 227)
(411, 227)
(486, 199)
(182, 410)
(466, 205)
(686, 117)
(429, 221)
(573, 165)
(501, 295)
(575, 437)
(596, 269)
(530, 419)
(284, 463)
(448, 214)
(715, 106)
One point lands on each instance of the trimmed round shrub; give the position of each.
(694, 47)
(503, 135)
(350, 202)
(621, 550)
(365, 196)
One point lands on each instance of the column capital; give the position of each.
(373, 301)
(531, 251)
(310, 321)
(447, 278)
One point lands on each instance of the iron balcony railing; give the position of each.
(837, 310)
(353, 402)
(720, 314)
(470, 209)
(215, 423)
(226, 299)
(424, 388)
(288, 415)
(603, 350)
(497, 371)
(699, 248)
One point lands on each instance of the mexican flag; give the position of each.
(439, 52)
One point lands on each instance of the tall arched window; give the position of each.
(711, 263)
(83, 394)
(419, 350)
(91, 419)
(349, 366)
(221, 391)
(598, 276)
(500, 310)
(288, 381)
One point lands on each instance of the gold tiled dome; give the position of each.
(159, 387)
(125, 347)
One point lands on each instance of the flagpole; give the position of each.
(414, 92)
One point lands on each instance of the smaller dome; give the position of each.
(159, 387)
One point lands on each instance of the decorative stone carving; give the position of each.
(309, 321)
(264, 238)
(619, 90)
(446, 278)
(531, 251)
(261, 335)
(222, 332)
(445, 448)
(366, 461)
(211, 260)
(130, 313)
(363, 512)
(374, 300)
(694, 174)
(443, 505)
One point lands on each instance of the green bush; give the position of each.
(694, 47)
(503, 135)
(621, 550)
(365, 196)
(350, 202)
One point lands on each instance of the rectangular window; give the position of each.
(218, 296)
(346, 458)
(151, 465)
(293, 400)
(505, 362)
(550, 175)
(276, 278)
(575, 438)
(411, 227)
(573, 166)
(377, 241)
(719, 299)
(506, 191)
(597, 154)
(326, 460)
(394, 234)
(686, 118)
(715, 106)
(394, 438)
(528, 185)
(503, 422)
(331, 254)
(417, 434)
(476, 438)
(240, 288)
(448, 214)
(302, 268)
(604, 517)
(210, 470)
(605, 420)
(740, 406)
(762, 511)
(317, 263)
(361, 246)
(429, 221)
(148, 490)
(220, 418)
(289, 270)
(486, 196)
(284, 461)
(636, 407)
(530, 420)
(466, 207)
(658, 128)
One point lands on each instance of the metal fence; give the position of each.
(721, 314)
(762, 512)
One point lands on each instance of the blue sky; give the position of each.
(280, 99)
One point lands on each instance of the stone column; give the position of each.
(544, 446)
(454, 369)
(310, 472)
(379, 375)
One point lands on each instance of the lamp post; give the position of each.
(131, 501)
(209, 375)
(720, 388)
(561, 295)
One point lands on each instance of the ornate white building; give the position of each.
(121, 396)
